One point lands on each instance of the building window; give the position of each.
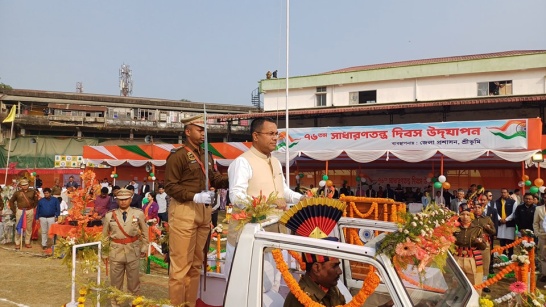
(321, 96)
(363, 97)
(495, 88)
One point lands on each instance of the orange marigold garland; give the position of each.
(373, 208)
(368, 287)
(298, 258)
(500, 275)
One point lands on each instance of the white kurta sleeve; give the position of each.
(239, 174)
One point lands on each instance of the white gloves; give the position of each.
(203, 198)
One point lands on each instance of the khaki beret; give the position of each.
(124, 194)
(23, 182)
(198, 120)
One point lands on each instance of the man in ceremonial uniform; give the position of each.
(489, 230)
(23, 202)
(189, 211)
(128, 232)
(319, 282)
(256, 172)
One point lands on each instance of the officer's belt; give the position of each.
(125, 240)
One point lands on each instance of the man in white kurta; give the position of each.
(257, 171)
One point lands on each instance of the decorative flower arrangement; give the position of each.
(519, 296)
(486, 302)
(256, 209)
(422, 238)
(87, 256)
(522, 257)
(121, 297)
(79, 199)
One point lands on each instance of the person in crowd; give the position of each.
(380, 192)
(536, 200)
(472, 193)
(189, 211)
(110, 188)
(56, 189)
(150, 206)
(370, 192)
(459, 202)
(540, 232)
(506, 208)
(389, 192)
(485, 222)
(145, 188)
(439, 199)
(162, 202)
(104, 183)
(516, 196)
(257, 172)
(469, 245)
(543, 201)
(399, 193)
(71, 183)
(349, 192)
(448, 197)
(319, 282)
(101, 203)
(62, 204)
(112, 203)
(136, 201)
(24, 201)
(425, 199)
(525, 213)
(39, 182)
(135, 187)
(127, 231)
(343, 189)
(47, 211)
(491, 211)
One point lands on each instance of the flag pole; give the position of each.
(9, 152)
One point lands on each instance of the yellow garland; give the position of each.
(368, 287)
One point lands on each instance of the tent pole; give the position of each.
(522, 176)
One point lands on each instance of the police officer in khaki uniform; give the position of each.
(24, 200)
(189, 211)
(126, 227)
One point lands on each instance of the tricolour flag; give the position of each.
(511, 129)
(22, 225)
(11, 115)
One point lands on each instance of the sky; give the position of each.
(218, 51)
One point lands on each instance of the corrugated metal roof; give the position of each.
(390, 106)
(438, 60)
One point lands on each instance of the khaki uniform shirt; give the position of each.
(485, 220)
(329, 299)
(56, 190)
(134, 225)
(466, 237)
(184, 177)
(23, 200)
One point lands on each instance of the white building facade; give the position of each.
(512, 73)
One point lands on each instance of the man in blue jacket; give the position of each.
(47, 212)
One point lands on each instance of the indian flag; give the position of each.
(511, 129)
